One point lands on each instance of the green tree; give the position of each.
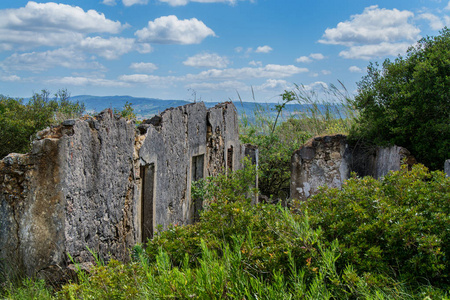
(19, 121)
(407, 102)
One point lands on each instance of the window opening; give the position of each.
(197, 174)
(147, 201)
(230, 158)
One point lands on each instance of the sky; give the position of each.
(209, 50)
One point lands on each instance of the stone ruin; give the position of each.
(102, 183)
(329, 160)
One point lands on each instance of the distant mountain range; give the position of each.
(147, 107)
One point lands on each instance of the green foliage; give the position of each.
(20, 121)
(394, 228)
(127, 111)
(278, 138)
(30, 289)
(373, 240)
(407, 102)
(113, 281)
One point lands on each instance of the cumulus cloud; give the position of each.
(268, 71)
(386, 30)
(263, 49)
(303, 59)
(315, 85)
(373, 26)
(87, 81)
(435, 22)
(310, 58)
(325, 72)
(255, 63)
(355, 69)
(229, 85)
(143, 67)
(448, 6)
(171, 30)
(11, 78)
(133, 2)
(273, 84)
(51, 24)
(207, 60)
(367, 52)
(109, 2)
(184, 2)
(111, 48)
(42, 61)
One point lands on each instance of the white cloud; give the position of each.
(375, 32)
(207, 60)
(435, 22)
(51, 24)
(367, 52)
(86, 81)
(184, 2)
(310, 58)
(133, 2)
(109, 2)
(325, 72)
(150, 80)
(111, 48)
(170, 30)
(263, 49)
(315, 85)
(273, 84)
(303, 59)
(373, 26)
(41, 61)
(355, 69)
(317, 56)
(448, 6)
(255, 63)
(268, 71)
(144, 67)
(230, 85)
(238, 49)
(447, 21)
(11, 78)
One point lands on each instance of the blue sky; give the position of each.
(203, 49)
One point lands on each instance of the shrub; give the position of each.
(20, 121)
(407, 102)
(394, 228)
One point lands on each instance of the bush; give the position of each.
(20, 121)
(407, 102)
(394, 228)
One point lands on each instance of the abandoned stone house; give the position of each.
(103, 183)
(329, 160)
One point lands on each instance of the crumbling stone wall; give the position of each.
(72, 191)
(102, 183)
(328, 161)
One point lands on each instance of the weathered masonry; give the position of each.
(328, 161)
(103, 183)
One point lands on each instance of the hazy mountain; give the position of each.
(147, 107)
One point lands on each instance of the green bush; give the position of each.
(20, 121)
(407, 102)
(394, 228)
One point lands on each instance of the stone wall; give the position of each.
(328, 161)
(102, 183)
(447, 167)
